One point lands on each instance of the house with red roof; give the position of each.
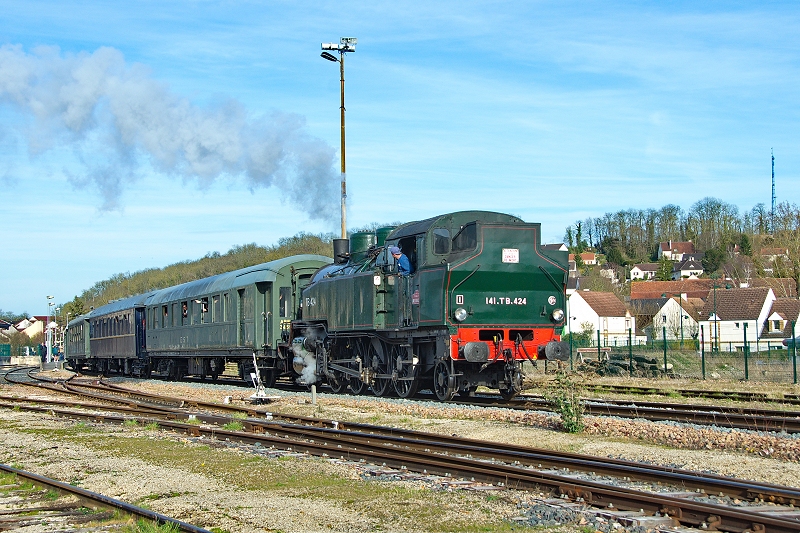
(675, 250)
(592, 311)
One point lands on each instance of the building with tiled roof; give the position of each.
(688, 269)
(731, 316)
(644, 271)
(782, 287)
(674, 250)
(692, 288)
(588, 258)
(778, 326)
(675, 316)
(603, 312)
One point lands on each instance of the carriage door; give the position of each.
(139, 317)
(246, 333)
(263, 315)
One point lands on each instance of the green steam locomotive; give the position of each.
(482, 297)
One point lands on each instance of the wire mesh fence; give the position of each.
(753, 361)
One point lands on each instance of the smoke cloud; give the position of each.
(115, 117)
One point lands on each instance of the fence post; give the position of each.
(703, 351)
(599, 358)
(630, 354)
(794, 355)
(665, 349)
(570, 351)
(746, 350)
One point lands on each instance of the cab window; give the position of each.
(466, 239)
(441, 241)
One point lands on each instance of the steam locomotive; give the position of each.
(484, 296)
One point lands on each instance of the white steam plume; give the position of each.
(113, 114)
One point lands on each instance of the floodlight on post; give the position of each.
(346, 44)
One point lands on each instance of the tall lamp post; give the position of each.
(346, 44)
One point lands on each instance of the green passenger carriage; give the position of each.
(196, 328)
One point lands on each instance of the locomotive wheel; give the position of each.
(405, 388)
(515, 387)
(357, 386)
(508, 394)
(379, 361)
(337, 383)
(442, 387)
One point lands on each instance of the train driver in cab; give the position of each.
(403, 264)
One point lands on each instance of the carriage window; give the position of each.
(203, 310)
(215, 308)
(466, 239)
(226, 307)
(174, 315)
(164, 316)
(195, 311)
(441, 241)
(185, 313)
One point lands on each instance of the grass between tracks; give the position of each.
(314, 479)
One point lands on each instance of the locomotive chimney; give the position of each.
(341, 251)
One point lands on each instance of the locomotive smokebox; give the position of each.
(341, 251)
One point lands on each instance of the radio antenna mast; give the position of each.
(772, 213)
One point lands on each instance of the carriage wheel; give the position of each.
(441, 381)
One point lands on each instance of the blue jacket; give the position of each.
(403, 265)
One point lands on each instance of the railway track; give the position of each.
(740, 396)
(770, 420)
(672, 496)
(28, 501)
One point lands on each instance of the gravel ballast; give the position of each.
(190, 489)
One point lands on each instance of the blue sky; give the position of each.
(137, 134)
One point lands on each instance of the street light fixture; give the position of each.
(346, 44)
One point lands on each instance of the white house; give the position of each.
(731, 316)
(675, 251)
(688, 269)
(600, 311)
(644, 271)
(677, 318)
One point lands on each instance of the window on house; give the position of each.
(777, 325)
